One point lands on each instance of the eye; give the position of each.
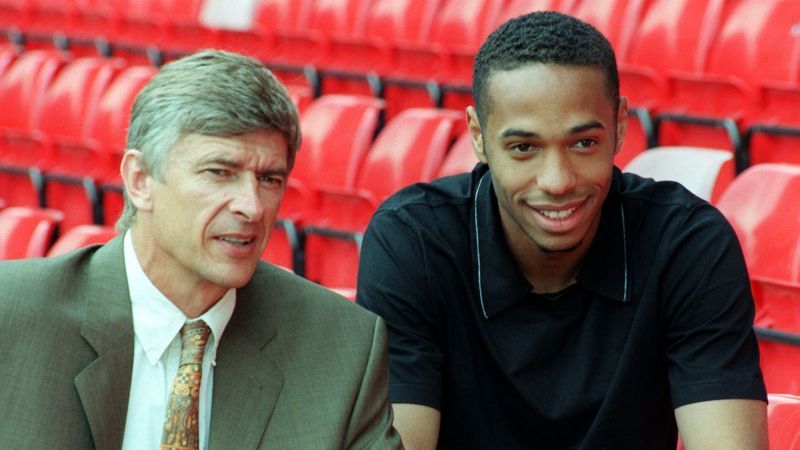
(521, 148)
(585, 143)
(271, 180)
(217, 172)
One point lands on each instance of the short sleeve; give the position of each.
(393, 283)
(708, 311)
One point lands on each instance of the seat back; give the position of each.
(81, 236)
(461, 158)
(325, 158)
(281, 16)
(400, 21)
(27, 232)
(676, 35)
(515, 8)
(761, 204)
(784, 421)
(705, 172)
(462, 25)
(410, 148)
(616, 19)
(759, 42)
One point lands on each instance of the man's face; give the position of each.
(209, 218)
(550, 137)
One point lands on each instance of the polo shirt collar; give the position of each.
(500, 283)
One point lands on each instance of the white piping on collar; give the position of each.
(624, 254)
(478, 246)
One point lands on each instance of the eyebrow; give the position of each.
(515, 132)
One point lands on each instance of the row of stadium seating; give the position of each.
(712, 73)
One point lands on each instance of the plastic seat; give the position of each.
(71, 178)
(616, 19)
(418, 70)
(324, 161)
(514, 8)
(761, 204)
(410, 148)
(461, 158)
(105, 131)
(328, 20)
(388, 24)
(27, 232)
(271, 19)
(755, 46)
(21, 158)
(673, 36)
(784, 421)
(705, 172)
(81, 236)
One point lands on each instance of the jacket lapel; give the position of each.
(247, 383)
(104, 385)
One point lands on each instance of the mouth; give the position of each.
(236, 241)
(562, 214)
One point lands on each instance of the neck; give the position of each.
(191, 297)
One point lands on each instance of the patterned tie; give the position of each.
(180, 421)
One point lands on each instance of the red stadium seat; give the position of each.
(784, 421)
(762, 206)
(27, 232)
(514, 8)
(22, 86)
(271, 19)
(325, 161)
(388, 24)
(70, 179)
(81, 236)
(705, 172)
(755, 46)
(673, 36)
(410, 148)
(105, 130)
(461, 158)
(617, 19)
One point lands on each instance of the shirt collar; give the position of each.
(500, 283)
(157, 321)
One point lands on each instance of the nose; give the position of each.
(556, 174)
(247, 202)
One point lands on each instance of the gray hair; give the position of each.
(211, 93)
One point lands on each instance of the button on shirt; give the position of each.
(156, 354)
(660, 316)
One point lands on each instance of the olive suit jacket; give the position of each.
(297, 368)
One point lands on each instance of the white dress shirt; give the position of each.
(156, 354)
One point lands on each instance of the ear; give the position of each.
(622, 123)
(138, 182)
(475, 135)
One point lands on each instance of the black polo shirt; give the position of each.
(661, 316)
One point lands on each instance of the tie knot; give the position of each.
(194, 336)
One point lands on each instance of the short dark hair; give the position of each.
(543, 37)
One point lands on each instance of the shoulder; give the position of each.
(664, 207)
(295, 300)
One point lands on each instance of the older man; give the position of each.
(176, 334)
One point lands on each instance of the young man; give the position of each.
(176, 334)
(547, 300)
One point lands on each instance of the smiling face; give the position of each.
(203, 227)
(549, 139)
